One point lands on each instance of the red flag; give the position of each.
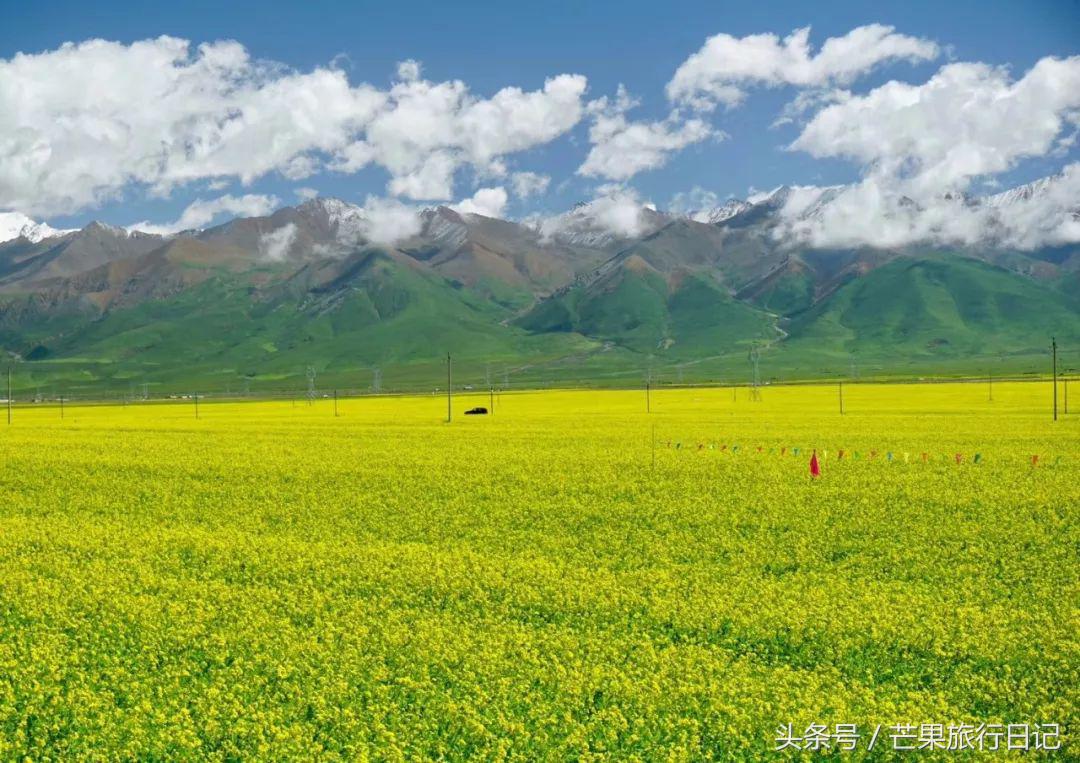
(815, 468)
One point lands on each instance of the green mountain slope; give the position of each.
(255, 302)
(368, 310)
(634, 306)
(944, 307)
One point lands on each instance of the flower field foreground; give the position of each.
(570, 578)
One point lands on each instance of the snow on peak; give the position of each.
(1021, 193)
(346, 221)
(722, 213)
(15, 224)
(602, 221)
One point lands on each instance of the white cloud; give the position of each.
(409, 70)
(695, 203)
(921, 147)
(428, 130)
(876, 214)
(968, 120)
(489, 202)
(621, 148)
(86, 122)
(806, 101)
(528, 184)
(199, 213)
(15, 224)
(275, 245)
(388, 221)
(432, 177)
(616, 211)
(305, 194)
(726, 65)
(1050, 216)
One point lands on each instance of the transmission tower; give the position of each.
(376, 381)
(310, 384)
(755, 359)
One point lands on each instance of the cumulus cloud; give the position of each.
(695, 203)
(921, 147)
(409, 70)
(807, 101)
(968, 120)
(528, 184)
(725, 66)
(276, 244)
(428, 130)
(622, 149)
(202, 212)
(489, 202)
(388, 221)
(83, 123)
(1047, 216)
(617, 211)
(305, 194)
(876, 214)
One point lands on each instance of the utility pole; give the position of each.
(335, 403)
(196, 396)
(755, 358)
(491, 399)
(648, 404)
(9, 395)
(841, 385)
(449, 392)
(61, 407)
(1053, 353)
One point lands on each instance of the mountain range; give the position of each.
(597, 294)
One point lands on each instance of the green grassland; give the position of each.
(932, 315)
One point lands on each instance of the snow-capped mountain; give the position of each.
(601, 222)
(444, 227)
(1023, 193)
(719, 214)
(345, 221)
(14, 224)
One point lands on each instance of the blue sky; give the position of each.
(494, 45)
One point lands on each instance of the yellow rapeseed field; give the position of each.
(571, 578)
